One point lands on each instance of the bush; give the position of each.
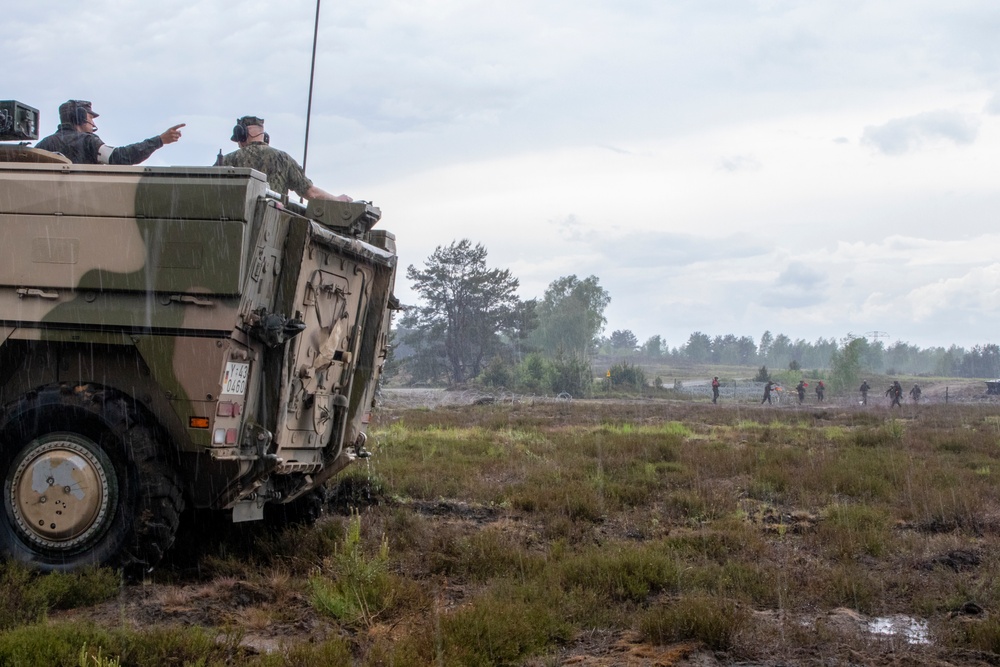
(571, 375)
(28, 595)
(498, 373)
(533, 373)
(360, 587)
(627, 375)
(713, 621)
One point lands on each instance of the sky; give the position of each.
(819, 169)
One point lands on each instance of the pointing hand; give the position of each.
(173, 134)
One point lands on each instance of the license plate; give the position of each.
(234, 381)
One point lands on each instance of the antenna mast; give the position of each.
(312, 74)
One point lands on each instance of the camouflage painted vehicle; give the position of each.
(171, 338)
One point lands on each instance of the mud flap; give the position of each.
(248, 510)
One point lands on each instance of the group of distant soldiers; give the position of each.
(76, 139)
(895, 392)
(800, 391)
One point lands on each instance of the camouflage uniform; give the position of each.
(283, 172)
(84, 147)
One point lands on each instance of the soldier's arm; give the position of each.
(138, 152)
(319, 193)
(131, 154)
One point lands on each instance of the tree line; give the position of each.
(780, 351)
(472, 326)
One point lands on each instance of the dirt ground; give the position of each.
(266, 617)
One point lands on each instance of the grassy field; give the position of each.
(585, 533)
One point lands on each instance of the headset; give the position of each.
(239, 132)
(76, 112)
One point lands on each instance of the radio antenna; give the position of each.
(312, 74)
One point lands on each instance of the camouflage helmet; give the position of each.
(74, 112)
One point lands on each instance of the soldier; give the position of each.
(800, 389)
(767, 392)
(915, 393)
(715, 389)
(283, 172)
(864, 392)
(76, 140)
(820, 390)
(895, 390)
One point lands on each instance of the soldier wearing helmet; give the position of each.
(76, 140)
(283, 172)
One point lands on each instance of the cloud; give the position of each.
(993, 105)
(662, 250)
(797, 286)
(571, 229)
(739, 163)
(975, 291)
(902, 135)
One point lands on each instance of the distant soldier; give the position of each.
(820, 391)
(283, 172)
(800, 389)
(915, 393)
(895, 391)
(864, 392)
(76, 140)
(715, 389)
(767, 392)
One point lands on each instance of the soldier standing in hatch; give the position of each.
(283, 172)
(864, 392)
(76, 140)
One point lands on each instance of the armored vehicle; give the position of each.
(171, 338)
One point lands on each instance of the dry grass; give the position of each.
(533, 534)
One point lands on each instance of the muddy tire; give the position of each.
(84, 482)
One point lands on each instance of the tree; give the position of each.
(766, 340)
(781, 350)
(873, 356)
(466, 308)
(845, 364)
(623, 340)
(746, 350)
(524, 321)
(698, 348)
(653, 347)
(571, 316)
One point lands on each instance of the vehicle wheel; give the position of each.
(84, 482)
